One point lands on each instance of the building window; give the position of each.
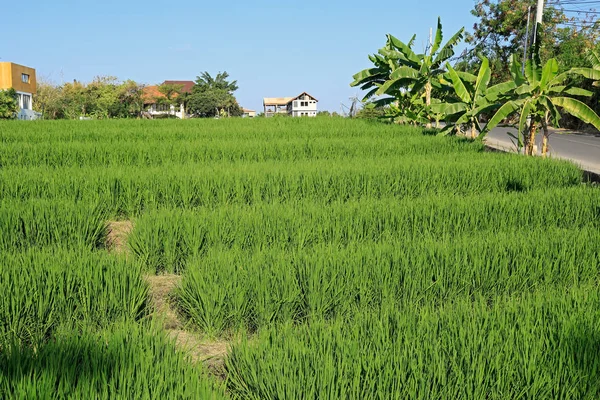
(25, 78)
(26, 102)
(295, 104)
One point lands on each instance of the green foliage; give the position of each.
(213, 97)
(9, 104)
(104, 97)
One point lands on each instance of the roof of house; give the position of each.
(151, 93)
(276, 101)
(304, 93)
(247, 110)
(187, 85)
(282, 101)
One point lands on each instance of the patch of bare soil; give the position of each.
(210, 352)
(116, 238)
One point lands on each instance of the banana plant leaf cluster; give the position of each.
(422, 88)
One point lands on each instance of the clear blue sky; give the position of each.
(272, 48)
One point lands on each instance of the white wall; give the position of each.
(308, 107)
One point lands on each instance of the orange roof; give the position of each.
(150, 94)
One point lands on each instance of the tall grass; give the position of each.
(166, 239)
(124, 361)
(542, 345)
(44, 289)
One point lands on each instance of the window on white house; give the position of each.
(295, 104)
(25, 78)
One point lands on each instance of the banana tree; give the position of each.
(419, 72)
(398, 68)
(537, 97)
(472, 97)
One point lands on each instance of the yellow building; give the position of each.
(22, 79)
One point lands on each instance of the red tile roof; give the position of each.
(151, 93)
(187, 85)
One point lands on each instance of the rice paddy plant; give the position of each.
(44, 289)
(538, 345)
(133, 190)
(123, 361)
(37, 223)
(232, 289)
(165, 239)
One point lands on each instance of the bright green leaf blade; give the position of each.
(578, 109)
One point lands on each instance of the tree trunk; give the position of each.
(545, 138)
(473, 131)
(530, 142)
(428, 99)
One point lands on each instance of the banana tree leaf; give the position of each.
(448, 108)
(589, 73)
(560, 78)
(438, 37)
(370, 94)
(404, 49)
(483, 78)
(501, 89)
(525, 113)
(516, 71)
(549, 72)
(459, 87)
(551, 109)
(360, 77)
(532, 72)
(525, 89)
(393, 84)
(411, 42)
(448, 50)
(404, 72)
(502, 113)
(578, 109)
(384, 101)
(579, 92)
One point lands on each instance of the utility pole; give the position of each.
(538, 17)
(540, 12)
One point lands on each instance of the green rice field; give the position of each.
(329, 258)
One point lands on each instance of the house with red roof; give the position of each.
(155, 102)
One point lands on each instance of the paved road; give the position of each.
(581, 148)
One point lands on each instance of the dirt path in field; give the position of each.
(116, 236)
(211, 353)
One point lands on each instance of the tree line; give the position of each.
(106, 97)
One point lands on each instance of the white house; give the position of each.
(247, 113)
(303, 105)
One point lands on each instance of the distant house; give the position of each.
(246, 113)
(303, 105)
(153, 104)
(22, 79)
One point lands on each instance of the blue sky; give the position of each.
(272, 48)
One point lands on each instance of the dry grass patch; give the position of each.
(117, 234)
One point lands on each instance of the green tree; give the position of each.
(9, 104)
(407, 70)
(206, 82)
(213, 97)
(538, 95)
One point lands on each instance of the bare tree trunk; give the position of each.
(545, 138)
(530, 140)
(428, 99)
